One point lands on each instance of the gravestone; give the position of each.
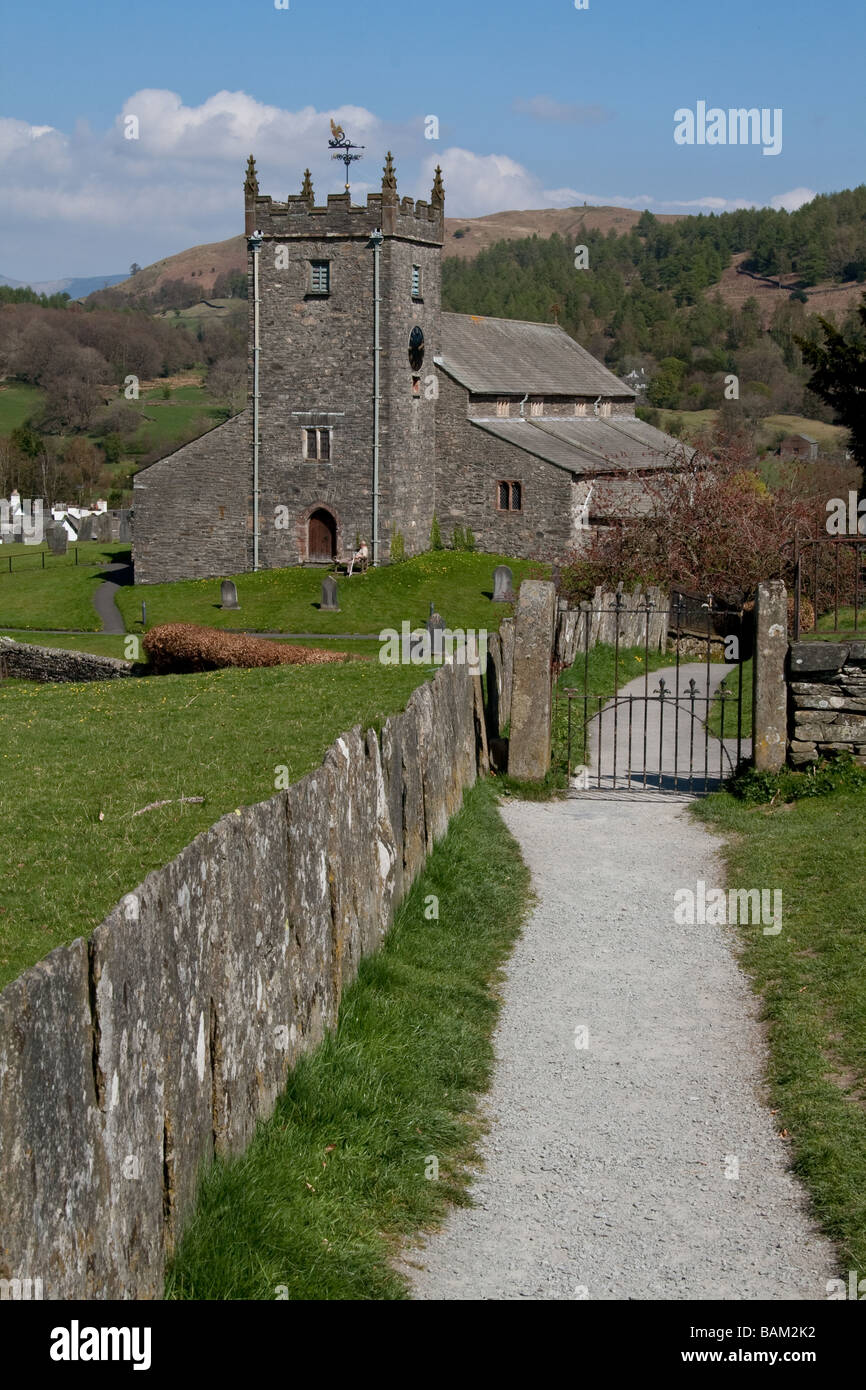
(529, 741)
(330, 600)
(436, 628)
(229, 594)
(503, 581)
(57, 539)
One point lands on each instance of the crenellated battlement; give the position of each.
(300, 215)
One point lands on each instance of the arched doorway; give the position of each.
(321, 537)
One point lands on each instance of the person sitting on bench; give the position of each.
(359, 558)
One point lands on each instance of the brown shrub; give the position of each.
(183, 647)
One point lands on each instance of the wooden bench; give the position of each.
(359, 567)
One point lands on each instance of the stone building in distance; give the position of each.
(509, 428)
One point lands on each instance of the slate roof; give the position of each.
(589, 445)
(509, 356)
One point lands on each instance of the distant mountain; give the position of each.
(76, 286)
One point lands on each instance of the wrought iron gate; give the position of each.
(676, 728)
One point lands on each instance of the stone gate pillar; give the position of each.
(534, 625)
(769, 689)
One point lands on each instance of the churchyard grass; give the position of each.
(460, 584)
(61, 595)
(731, 684)
(76, 762)
(811, 979)
(343, 1171)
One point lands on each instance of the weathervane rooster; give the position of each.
(342, 147)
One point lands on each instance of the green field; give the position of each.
(316, 1206)
(17, 403)
(61, 595)
(811, 978)
(74, 753)
(460, 584)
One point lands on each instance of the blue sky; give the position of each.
(539, 104)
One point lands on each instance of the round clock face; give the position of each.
(416, 347)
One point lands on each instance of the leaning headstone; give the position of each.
(529, 740)
(229, 594)
(57, 539)
(436, 628)
(85, 530)
(330, 600)
(503, 581)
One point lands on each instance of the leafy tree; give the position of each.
(839, 376)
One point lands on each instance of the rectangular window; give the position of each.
(536, 407)
(509, 496)
(502, 406)
(320, 277)
(416, 282)
(317, 444)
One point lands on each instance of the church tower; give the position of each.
(333, 462)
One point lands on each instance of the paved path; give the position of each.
(604, 1169)
(678, 756)
(103, 598)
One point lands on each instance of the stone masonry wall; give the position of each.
(128, 1062)
(25, 662)
(469, 462)
(193, 509)
(826, 700)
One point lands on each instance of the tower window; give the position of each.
(317, 444)
(536, 407)
(416, 282)
(320, 277)
(580, 407)
(509, 496)
(604, 408)
(502, 406)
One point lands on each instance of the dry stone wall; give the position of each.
(128, 1062)
(826, 700)
(31, 663)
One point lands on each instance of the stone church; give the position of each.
(370, 410)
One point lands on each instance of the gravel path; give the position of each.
(604, 1169)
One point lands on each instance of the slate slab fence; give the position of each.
(129, 1061)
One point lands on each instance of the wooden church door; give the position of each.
(322, 544)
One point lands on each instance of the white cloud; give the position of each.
(544, 108)
(476, 184)
(85, 202)
(797, 198)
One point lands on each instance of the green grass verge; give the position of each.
(69, 753)
(336, 1178)
(61, 595)
(812, 981)
(287, 600)
(731, 687)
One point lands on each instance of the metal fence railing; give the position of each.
(829, 580)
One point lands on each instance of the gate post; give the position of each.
(529, 743)
(769, 690)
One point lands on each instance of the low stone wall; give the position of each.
(128, 1062)
(26, 662)
(826, 700)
